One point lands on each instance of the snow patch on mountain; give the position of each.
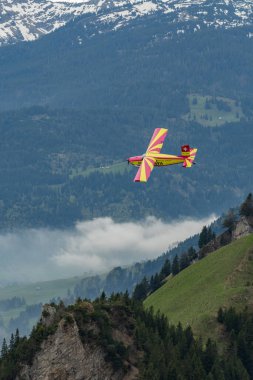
(27, 20)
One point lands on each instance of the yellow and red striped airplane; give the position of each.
(152, 157)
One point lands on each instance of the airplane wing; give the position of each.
(145, 169)
(157, 140)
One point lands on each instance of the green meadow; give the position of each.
(222, 279)
(115, 168)
(40, 292)
(213, 111)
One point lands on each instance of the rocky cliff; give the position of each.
(243, 227)
(86, 344)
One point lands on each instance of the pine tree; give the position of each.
(141, 290)
(17, 338)
(203, 237)
(103, 296)
(217, 371)
(197, 370)
(246, 208)
(4, 349)
(234, 370)
(229, 221)
(184, 261)
(156, 282)
(192, 254)
(12, 342)
(166, 269)
(220, 316)
(175, 266)
(210, 355)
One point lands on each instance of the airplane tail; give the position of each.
(189, 154)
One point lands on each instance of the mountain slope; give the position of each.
(105, 71)
(27, 20)
(222, 279)
(120, 86)
(112, 339)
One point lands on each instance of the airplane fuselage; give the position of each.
(160, 159)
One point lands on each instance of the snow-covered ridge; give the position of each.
(26, 20)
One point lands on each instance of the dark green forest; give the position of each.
(41, 149)
(80, 107)
(138, 66)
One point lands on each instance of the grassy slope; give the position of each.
(221, 279)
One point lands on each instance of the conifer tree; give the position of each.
(141, 290)
(192, 254)
(203, 237)
(220, 316)
(4, 349)
(12, 342)
(246, 208)
(184, 261)
(175, 266)
(229, 221)
(16, 338)
(103, 296)
(156, 282)
(166, 269)
(210, 355)
(217, 372)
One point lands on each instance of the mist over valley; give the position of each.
(92, 247)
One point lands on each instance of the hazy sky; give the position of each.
(92, 246)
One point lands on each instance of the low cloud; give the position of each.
(91, 247)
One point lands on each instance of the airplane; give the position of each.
(153, 157)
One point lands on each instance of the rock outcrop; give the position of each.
(244, 227)
(63, 355)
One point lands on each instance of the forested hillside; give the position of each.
(94, 104)
(116, 338)
(141, 66)
(47, 156)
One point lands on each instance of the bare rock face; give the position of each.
(243, 228)
(74, 346)
(64, 357)
(48, 314)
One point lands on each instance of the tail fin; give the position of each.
(189, 160)
(185, 150)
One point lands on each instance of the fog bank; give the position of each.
(90, 247)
